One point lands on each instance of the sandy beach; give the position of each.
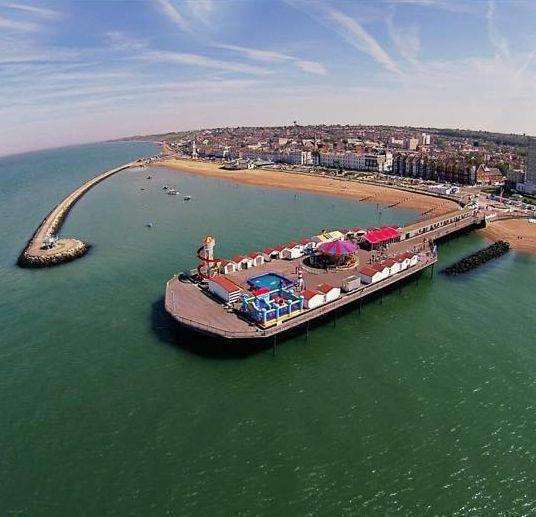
(518, 232)
(508, 230)
(321, 185)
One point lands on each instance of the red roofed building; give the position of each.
(380, 236)
(257, 257)
(393, 265)
(224, 288)
(403, 261)
(292, 250)
(370, 275)
(331, 293)
(243, 262)
(227, 266)
(312, 299)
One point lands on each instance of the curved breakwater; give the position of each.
(37, 253)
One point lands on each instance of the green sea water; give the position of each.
(422, 404)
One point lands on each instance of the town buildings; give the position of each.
(529, 186)
(450, 156)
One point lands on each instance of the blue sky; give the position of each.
(85, 71)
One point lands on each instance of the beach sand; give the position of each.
(518, 232)
(506, 230)
(321, 185)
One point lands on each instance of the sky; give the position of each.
(82, 71)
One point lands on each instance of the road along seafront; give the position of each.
(45, 249)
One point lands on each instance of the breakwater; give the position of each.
(44, 248)
(478, 258)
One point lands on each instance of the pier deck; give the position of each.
(191, 306)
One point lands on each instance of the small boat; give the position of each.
(149, 225)
(172, 192)
(187, 198)
(165, 187)
(148, 177)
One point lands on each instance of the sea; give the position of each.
(422, 403)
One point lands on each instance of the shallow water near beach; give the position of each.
(421, 404)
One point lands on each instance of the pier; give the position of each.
(45, 249)
(190, 306)
(194, 307)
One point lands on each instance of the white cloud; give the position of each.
(123, 42)
(406, 39)
(260, 55)
(202, 61)
(173, 14)
(312, 67)
(38, 11)
(498, 42)
(270, 56)
(354, 33)
(349, 29)
(200, 9)
(13, 25)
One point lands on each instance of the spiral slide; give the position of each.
(204, 263)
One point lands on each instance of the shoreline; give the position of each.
(316, 184)
(518, 232)
(508, 230)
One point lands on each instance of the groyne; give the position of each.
(478, 258)
(44, 248)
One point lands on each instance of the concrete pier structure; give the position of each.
(37, 253)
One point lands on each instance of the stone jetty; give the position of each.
(45, 249)
(478, 258)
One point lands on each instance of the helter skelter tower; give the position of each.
(209, 265)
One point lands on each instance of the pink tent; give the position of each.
(337, 248)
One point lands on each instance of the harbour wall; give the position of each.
(35, 253)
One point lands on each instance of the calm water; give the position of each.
(423, 404)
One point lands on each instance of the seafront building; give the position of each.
(451, 156)
(529, 185)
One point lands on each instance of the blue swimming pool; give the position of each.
(269, 280)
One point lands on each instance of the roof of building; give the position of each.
(389, 262)
(309, 293)
(238, 258)
(305, 240)
(380, 266)
(367, 270)
(254, 254)
(268, 251)
(381, 234)
(325, 288)
(225, 283)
